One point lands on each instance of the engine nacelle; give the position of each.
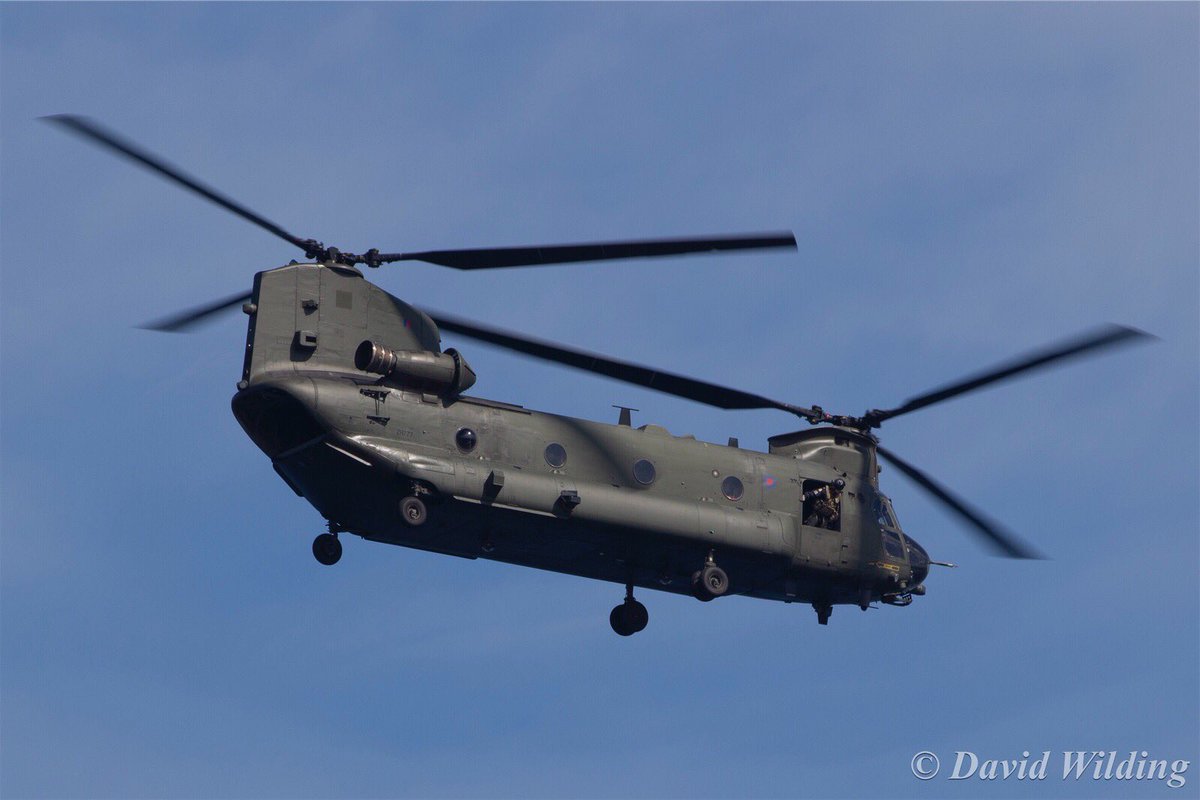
(444, 373)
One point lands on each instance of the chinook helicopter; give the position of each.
(348, 391)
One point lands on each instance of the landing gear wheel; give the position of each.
(327, 549)
(823, 611)
(616, 618)
(636, 615)
(413, 511)
(709, 583)
(629, 618)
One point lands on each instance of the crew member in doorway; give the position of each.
(824, 505)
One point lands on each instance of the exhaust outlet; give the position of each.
(446, 373)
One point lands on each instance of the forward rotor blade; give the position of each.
(492, 257)
(1005, 542)
(1108, 336)
(669, 383)
(90, 129)
(178, 323)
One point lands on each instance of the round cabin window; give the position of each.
(556, 455)
(643, 472)
(466, 439)
(732, 488)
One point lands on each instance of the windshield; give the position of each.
(891, 543)
(916, 553)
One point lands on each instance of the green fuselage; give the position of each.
(630, 505)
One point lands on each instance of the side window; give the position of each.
(644, 472)
(556, 455)
(732, 488)
(466, 439)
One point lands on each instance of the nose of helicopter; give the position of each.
(918, 561)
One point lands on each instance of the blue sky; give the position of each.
(966, 182)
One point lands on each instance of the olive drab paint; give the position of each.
(355, 444)
(348, 392)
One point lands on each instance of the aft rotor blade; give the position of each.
(90, 129)
(178, 323)
(493, 257)
(1108, 336)
(669, 383)
(1005, 542)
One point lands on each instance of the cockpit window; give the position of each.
(883, 510)
(918, 559)
(916, 553)
(891, 543)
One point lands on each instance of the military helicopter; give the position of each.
(347, 390)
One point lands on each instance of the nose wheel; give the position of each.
(629, 617)
(327, 549)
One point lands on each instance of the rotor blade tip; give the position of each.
(158, 327)
(70, 120)
(1028, 555)
(1137, 333)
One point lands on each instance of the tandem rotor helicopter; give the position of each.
(348, 392)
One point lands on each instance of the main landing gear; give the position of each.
(327, 549)
(413, 511)
(629, 617)
(710, 582)
(823, 611)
